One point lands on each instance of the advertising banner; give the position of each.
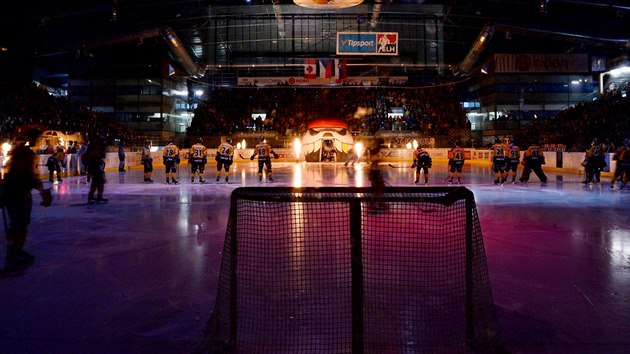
(367, 43)
(323, 81)
(541, 63)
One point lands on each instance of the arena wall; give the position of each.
(554, 160)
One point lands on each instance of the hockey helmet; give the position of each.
(228, 140)
(595, 141)
(497, 140)
(147, 143)
(199, 141)
(261, 138)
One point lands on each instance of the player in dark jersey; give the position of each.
(499, 161)
(622, 170)
(594, 162)
(533, 159)
(455, 162)
(375, 175)
(264, 153)
(198, 159)
(421, 162)
(225, 156)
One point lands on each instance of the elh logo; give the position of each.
(387, 43)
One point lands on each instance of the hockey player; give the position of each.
(351, 157)
(421, 161)
(95, 155)
(377, 180)
(499, 161)
(147, 161)
(455, 162)
(622, 171)
(533, 159)
(121, 157)
(198, 159)
(170, 157)
(513, 159)
(264, 153)
(225, 157)
(594, 162)
(55, 162)
(17, 203)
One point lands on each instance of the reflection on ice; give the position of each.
(144, 268)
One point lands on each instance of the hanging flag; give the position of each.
(310, 68)
(325, 68)
(340, 68)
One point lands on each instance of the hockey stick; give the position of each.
(394, 166)
(4, 218)
(241, 156)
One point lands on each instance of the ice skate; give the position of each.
(16, 261)
(101, 200)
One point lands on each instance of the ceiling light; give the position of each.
(327, 4)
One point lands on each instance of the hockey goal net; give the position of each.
(341, 270)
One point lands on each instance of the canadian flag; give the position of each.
(310, 68)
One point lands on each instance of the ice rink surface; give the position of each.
(139, 274)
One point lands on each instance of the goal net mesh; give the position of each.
(342, 270)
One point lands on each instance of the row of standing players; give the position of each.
(595, 161)
(198, 158)
(506, 159)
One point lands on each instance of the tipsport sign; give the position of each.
(367, 43)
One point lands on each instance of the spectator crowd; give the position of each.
(607, 118)
(26, 107)
(287, 110)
